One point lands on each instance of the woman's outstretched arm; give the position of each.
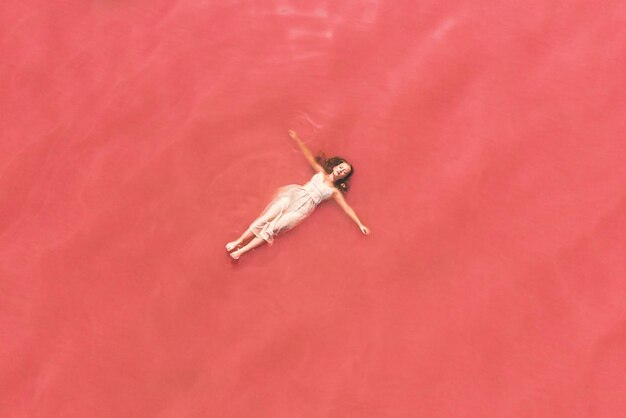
(307, 153)
(351, 213)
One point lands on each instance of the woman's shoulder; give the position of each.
(323, 177)
(320, 173)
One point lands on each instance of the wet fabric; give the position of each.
(291, 205)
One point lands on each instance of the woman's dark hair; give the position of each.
(329, 163)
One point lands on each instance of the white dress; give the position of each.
(290, 206)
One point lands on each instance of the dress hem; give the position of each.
(269, 241)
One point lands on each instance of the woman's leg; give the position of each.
(244, 237)
(255, 242)
(287, 222)
(269, 214)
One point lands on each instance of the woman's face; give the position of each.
(341, 170)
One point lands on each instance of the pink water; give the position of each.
(138, 137)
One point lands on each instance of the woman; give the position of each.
(294, 203)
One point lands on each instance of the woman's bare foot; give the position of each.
(232, 245)
(235, 254)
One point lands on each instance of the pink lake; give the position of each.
(488, 140)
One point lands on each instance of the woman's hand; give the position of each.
(364, 229)
(293, 134)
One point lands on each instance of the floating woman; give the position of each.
(294, 203)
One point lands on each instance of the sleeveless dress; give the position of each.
(290, 206)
